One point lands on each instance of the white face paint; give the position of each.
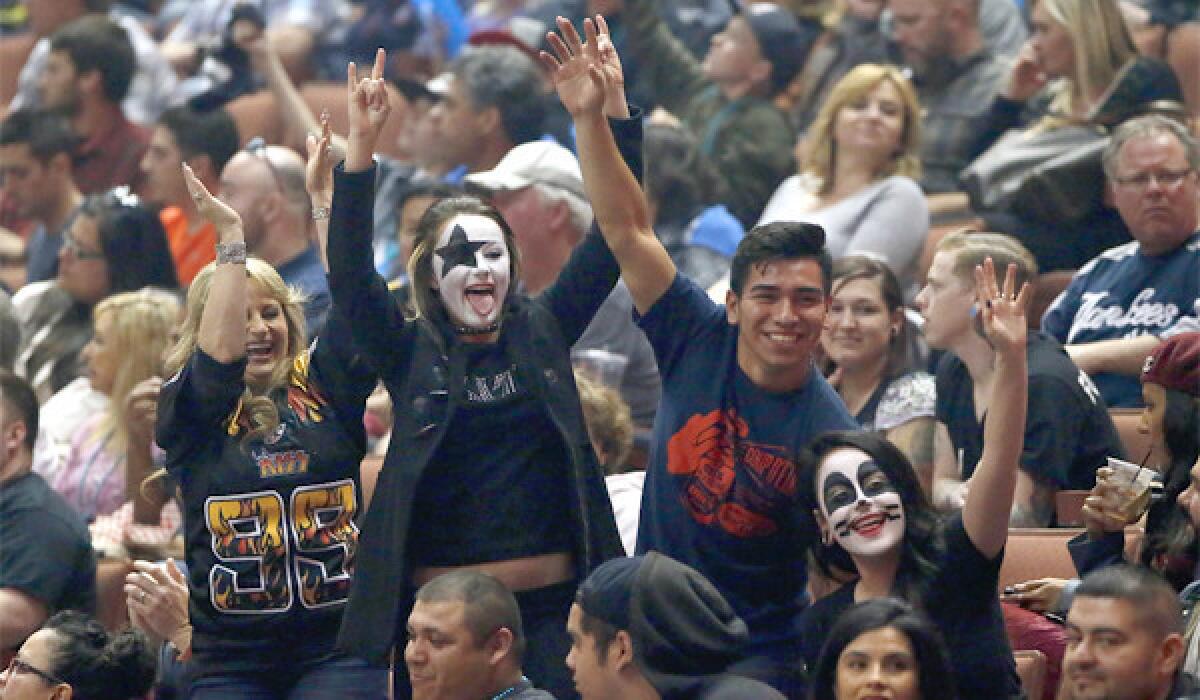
(471, 270)
(859, 502)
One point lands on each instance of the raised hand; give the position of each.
(577, 76)
(1002, 311)
(368, 105)
(223, 218)
(615, 104)
(318, 171)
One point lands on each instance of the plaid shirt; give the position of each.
(952, 116)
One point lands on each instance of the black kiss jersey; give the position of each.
(270, 522)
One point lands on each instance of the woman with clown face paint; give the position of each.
(490, 466)
(876, 523)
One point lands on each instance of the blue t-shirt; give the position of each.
(720, 492)
(1123, 293)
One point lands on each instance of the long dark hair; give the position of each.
(97, 665)
(133, 241)
(934, 675)
(922, 541)
(1171, 542)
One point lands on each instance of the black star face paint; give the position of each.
(471, 267)
(860, 503)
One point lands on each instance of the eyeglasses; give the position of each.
(257, 147)
(70, 244)
(18, 666)
(1167, 179)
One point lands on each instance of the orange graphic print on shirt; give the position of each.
(727, 481)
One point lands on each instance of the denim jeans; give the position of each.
(333, 679)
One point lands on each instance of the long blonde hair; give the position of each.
(257, 407)
(141, 326)
(822, 151)
(1102, 45)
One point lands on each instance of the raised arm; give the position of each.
(368, 107)
(296, 113)
(989, 499)
(618, 202)
(318, 180)
(222, 334)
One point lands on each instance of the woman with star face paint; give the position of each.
(876, 523)
(490, 466)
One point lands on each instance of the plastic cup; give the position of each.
(1133, 483)
(599, 365)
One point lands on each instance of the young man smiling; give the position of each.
(740, 395)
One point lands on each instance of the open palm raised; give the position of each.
(575, 68)
(1003, 310)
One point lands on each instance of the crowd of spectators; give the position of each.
(804, 306)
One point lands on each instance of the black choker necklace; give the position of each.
(466, 330)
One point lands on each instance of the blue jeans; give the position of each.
(333, 679)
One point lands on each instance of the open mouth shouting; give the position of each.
(471, 265)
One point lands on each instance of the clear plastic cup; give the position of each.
(1133, 484)
(603, 366)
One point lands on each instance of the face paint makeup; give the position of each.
(471, 268)
(860, 503)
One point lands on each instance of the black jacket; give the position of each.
(418, 362)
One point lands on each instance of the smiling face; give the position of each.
(872, 124)
(266, 337)
(780, 313)
(859, 504)
(471, 271)
(878, 664)
(444, 660)
(860, 328)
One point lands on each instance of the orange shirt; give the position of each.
(191, 251)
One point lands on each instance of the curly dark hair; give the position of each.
(99, 666)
